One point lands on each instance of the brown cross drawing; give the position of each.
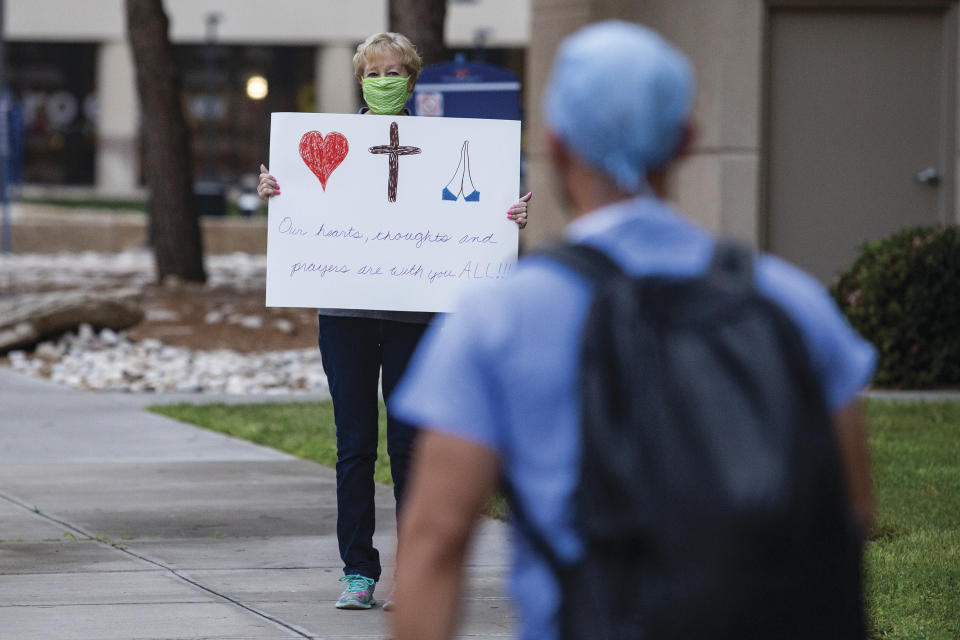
(394, 150)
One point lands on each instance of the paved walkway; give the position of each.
(117, 523)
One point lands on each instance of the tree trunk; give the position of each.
(168, 164)
(423, 22)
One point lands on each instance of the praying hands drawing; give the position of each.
(463, 172)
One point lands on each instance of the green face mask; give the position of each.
(386, 96)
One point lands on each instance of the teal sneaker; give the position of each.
(358, 594)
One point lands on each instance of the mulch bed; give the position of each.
(191, 304)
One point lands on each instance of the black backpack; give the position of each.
(711, 500)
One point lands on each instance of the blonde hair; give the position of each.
(388, 41)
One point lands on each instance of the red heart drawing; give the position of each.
(323, 155)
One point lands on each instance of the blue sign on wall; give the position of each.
(466, 90)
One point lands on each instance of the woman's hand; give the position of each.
(517, 212)
(268, 185)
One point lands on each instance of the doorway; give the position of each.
(859, 129)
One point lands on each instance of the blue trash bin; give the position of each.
(462, 89)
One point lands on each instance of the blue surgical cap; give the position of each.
(619, 96)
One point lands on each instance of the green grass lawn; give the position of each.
(912, 559)
(303, 429)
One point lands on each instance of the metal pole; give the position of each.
(5, 247)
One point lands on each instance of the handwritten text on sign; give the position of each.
(389, 212)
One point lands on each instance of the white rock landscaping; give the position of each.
(108, 360)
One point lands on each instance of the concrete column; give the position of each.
(335, 88)
(719, 183)
(551, 22)
(117, 160)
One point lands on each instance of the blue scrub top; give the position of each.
(501, 370)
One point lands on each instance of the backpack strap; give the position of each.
(584, 259)
(731, 266)
(525, 526)
(598, 267)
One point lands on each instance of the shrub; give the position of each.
(903, 295)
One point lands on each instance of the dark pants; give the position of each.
(353, 351)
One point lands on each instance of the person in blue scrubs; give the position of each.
(495, 389)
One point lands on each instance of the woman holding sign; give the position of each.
(356, 344)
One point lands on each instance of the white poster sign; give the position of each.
(386, 212)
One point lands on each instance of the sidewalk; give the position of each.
(117, 523)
